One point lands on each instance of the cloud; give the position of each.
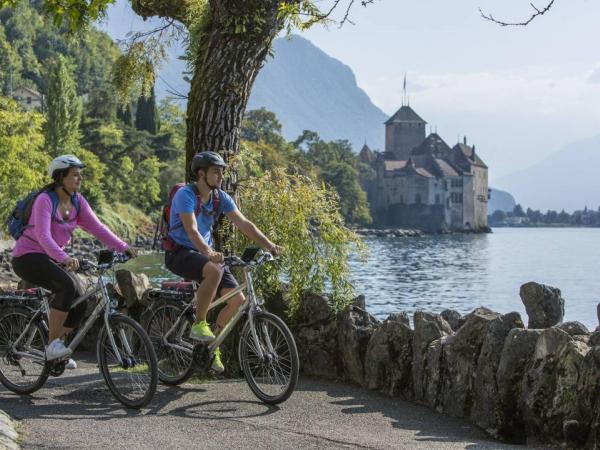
(524, 92)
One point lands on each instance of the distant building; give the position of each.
(421, 182)
(28, 98)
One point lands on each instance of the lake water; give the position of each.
(463, 272)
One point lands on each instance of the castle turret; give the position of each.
(403, 131)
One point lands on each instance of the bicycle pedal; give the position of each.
(57, 367)
(202, 357)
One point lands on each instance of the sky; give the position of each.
(517, 93)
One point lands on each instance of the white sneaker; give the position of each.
(71, 364)
(57, 350)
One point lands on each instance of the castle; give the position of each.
(420, 182)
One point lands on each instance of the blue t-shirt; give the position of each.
(184, 201)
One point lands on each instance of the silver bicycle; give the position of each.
(266, 350)
(125, 354)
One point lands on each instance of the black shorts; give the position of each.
(188, 264)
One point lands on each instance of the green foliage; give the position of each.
(133, 72)
(146, 116)
(63, 108)
(22, 160)
(93, 175)
(340, 168)
(36, 42)
(303, 217)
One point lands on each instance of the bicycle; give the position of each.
(126, 357)
(266, 350)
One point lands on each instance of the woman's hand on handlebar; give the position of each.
(131, 252)
(71, 264)
(275, 250)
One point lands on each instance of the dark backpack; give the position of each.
(163, 225)
(18, 219)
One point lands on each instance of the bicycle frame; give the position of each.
(250, 306)
(103, 304)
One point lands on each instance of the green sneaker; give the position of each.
(201, 332)
(217, 364)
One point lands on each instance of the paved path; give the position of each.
(76, 411)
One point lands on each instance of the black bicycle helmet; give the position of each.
(204, 160)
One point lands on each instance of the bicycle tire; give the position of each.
(177, 366)
(12, 321)
(282, 358)
(131, 369)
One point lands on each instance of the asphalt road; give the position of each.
(77, 410)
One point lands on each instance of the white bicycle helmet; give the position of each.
(64, 162)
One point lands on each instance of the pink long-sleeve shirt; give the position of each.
(44, 235)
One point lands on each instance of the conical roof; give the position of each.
(405, 114)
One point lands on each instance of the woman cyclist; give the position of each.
(39, 256)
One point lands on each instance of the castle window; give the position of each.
(29, 100)
(437, 199)
(418, 199)
(402, 199)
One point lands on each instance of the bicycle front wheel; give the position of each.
(127, 361)
(174, 353)
(269, 358)
(22, 366)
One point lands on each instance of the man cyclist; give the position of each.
(193, 257)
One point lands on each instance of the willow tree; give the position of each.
(228, 42)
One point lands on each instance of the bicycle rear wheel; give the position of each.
(270, 362)
(175, 354)
(129, 368)
(21, 373)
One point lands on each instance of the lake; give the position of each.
(464, 271)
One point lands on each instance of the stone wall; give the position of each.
(521, 385)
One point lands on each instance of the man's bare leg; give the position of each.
(229, 310)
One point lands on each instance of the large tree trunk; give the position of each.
(225, 69)
(226, 66)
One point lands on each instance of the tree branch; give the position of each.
(538, 12)
(172, 9)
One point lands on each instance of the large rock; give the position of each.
(484, 411)
(132, 286)
(355, 328)
(588, 390)
(388, 361)
(314, 309)
(544, 304)
(549, 395)
(515, 358)
(574, 328)
(428, 328)
(460, 353)
(453, 318)
(432, 374)
(316, 337)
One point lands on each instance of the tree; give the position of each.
(146, 115)
(518, 211)
(229, 41)
(63, 110)
(22, 160)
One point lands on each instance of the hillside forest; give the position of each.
(306, 190)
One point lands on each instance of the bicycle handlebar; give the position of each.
(118, 258)
(236, 261)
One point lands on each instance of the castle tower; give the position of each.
(403, 131)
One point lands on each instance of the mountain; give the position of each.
(500, 200)
(301, 84)
(309, 90)
(567, 179)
